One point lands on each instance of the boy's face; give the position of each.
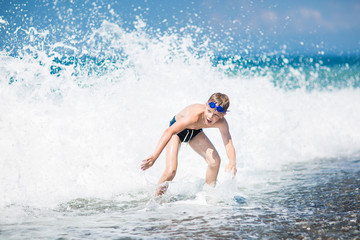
(212, 115)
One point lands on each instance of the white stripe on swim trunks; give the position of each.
(192, 132)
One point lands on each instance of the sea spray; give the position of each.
(76, 121)
(88, 87)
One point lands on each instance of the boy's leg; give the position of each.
(202, 145)
(172, 149)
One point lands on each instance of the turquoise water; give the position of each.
(296, 72)
(79, 110)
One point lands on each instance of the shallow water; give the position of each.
(318, 200)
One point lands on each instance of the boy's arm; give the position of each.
(165, 138)
(177, 127)
(230, 150)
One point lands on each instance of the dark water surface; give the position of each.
(322, 201)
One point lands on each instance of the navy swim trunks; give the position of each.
(187, 134)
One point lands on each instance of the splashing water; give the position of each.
(77, 117)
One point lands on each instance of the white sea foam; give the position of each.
(84, 132)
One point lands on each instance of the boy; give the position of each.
(187, 126)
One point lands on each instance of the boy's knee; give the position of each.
(170, 173)
(214, 163)
(213, 159)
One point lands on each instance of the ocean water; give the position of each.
(80, 111)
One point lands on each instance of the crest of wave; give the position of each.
(77, 118)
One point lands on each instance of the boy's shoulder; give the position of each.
(194, 108)
(197, 106)
(192, 112)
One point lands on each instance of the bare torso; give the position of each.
(193, 115)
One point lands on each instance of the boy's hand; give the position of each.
(147, 163)
(231, 168)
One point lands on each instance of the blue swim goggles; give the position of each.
(218, 108)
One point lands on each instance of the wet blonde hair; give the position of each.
(220, 99)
